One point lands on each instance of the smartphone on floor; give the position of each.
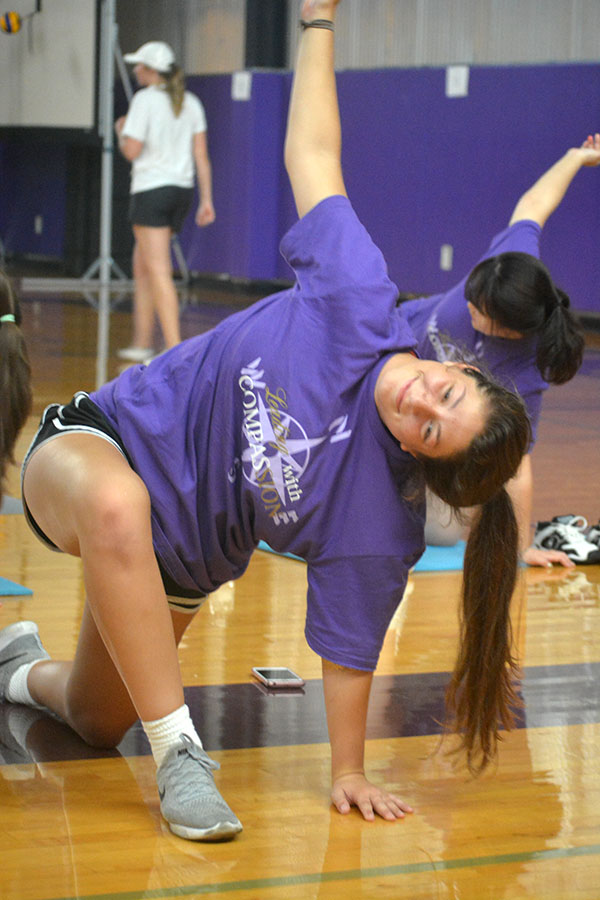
(277, 677)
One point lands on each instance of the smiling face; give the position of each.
(432, 409)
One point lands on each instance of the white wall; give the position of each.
(48, 68)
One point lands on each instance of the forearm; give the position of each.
(130, 148)
(204, 175)
(346, 701)
(520, 489)
(540, 201)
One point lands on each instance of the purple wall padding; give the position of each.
(421, 169)
(424, 170)
(33, 177)
(245, 139)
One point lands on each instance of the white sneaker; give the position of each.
(566, 533)
(135, 354)
(593, 535)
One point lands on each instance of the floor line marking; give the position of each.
(345, 875)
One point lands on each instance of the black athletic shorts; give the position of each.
(160, 207)
(82, 415)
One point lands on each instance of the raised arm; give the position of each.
(313, 141)
(543, 197)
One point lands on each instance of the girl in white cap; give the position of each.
(163, 135)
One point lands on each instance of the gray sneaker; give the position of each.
(189, 799)
(15, 722)
(19, 644)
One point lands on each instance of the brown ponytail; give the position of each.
(481, 692)
(481, 695)
(175, 87)
(15, 377)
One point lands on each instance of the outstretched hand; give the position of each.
(355, 790)
(535, 556)
(591, 148)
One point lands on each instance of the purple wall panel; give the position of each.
(245, 143)
(421, 169)
(33, 176)
(424, 170)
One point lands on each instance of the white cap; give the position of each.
(155, 54)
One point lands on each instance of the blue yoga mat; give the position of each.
(11, 506)
(11, 588)
(263, 546)
(435, 559)
(442, 559)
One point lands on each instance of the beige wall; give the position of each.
(437, 32)
(208, 35)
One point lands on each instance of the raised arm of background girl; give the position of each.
(543, 197)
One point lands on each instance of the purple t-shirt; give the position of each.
(442, 326)
(266, 428)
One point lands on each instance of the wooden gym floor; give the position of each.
(77, 823)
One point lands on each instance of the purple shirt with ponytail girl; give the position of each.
(444, 330)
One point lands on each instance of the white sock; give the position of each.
(163, 733)
(17, 690)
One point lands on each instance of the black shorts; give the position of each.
(161, 207)
(82, 415)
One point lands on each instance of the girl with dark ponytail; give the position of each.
(15, 376)
(516, 292)
(509, 316)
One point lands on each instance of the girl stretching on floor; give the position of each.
(181, 471)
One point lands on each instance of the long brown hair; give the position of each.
(481, 696)
(15, 378)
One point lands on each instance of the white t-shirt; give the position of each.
(167, 157)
